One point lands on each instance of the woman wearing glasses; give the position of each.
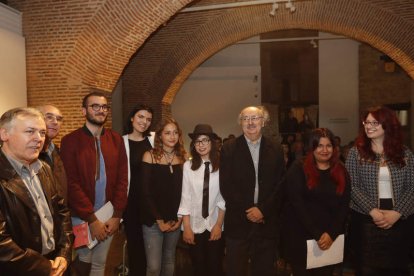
(202, 205)
(161, 177)
(137, 141)
(382, 198)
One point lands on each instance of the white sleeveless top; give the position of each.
(384, 183)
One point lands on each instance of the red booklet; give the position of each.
(81, 233)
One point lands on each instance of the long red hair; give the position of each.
(393, 138)
(338, 172)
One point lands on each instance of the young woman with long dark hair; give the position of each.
(202, 205)
(137, 141)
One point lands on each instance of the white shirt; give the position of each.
(192, 198)
(384, 183)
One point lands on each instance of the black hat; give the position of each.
(203, 129)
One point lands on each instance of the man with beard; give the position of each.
(251, 169)
(96, 165)
(50, 153)
(35, 228)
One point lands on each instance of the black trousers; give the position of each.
(207, 256)
(261, 253)
(320, 271)
(137, 262)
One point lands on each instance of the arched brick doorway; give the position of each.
(76, 46)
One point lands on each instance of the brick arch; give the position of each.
(358, 20)
(76, 46)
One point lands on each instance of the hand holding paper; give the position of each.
(318, 258)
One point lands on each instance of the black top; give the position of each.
(161, 192)
(310, 213)
(133, 212)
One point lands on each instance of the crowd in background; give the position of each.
(248, 200)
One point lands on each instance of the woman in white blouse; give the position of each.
(202, 206)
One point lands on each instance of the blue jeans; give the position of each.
(95, 256)
(160, 250)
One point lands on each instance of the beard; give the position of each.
(94, 121)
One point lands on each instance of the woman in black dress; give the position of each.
(318, 194)
(137, 141)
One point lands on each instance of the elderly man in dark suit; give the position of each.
(251, 169)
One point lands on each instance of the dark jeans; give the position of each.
(261, 253)
(207, 256)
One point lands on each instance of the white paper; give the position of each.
(103, 214)
(318, 258)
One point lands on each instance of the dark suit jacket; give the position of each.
(237, 183)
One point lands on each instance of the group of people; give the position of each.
(234, 202)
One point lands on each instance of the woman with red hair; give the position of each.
(382, 199)
(318, 194)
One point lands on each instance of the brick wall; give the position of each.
(76, 46)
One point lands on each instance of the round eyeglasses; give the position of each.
(373, 123)
(203, 142)
(51, 117)
(97, 107)
(251, 118)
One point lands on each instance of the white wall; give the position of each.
(12, 60)
(338, 87)
(217, 91)
(225, 83)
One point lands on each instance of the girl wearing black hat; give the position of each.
(202, 205)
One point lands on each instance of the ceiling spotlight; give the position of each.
(275, 6)
(289, 5)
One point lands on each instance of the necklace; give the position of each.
(383, 160)
(169, 157)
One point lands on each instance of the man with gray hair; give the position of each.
(35, 228)
(51, 153)
(251, 169)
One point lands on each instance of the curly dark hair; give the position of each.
(393, 137)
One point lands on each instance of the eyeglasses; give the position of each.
(203, 142)
(251, 118)
(97, 107)
(50, 117)
(373, 123)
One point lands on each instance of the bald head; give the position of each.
(252, 119)
(53, 118)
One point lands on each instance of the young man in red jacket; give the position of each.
(96, 164)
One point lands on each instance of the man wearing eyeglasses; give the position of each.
(96, 164)
(251, 169)
(50, 153)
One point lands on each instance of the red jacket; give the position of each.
(79, 158)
